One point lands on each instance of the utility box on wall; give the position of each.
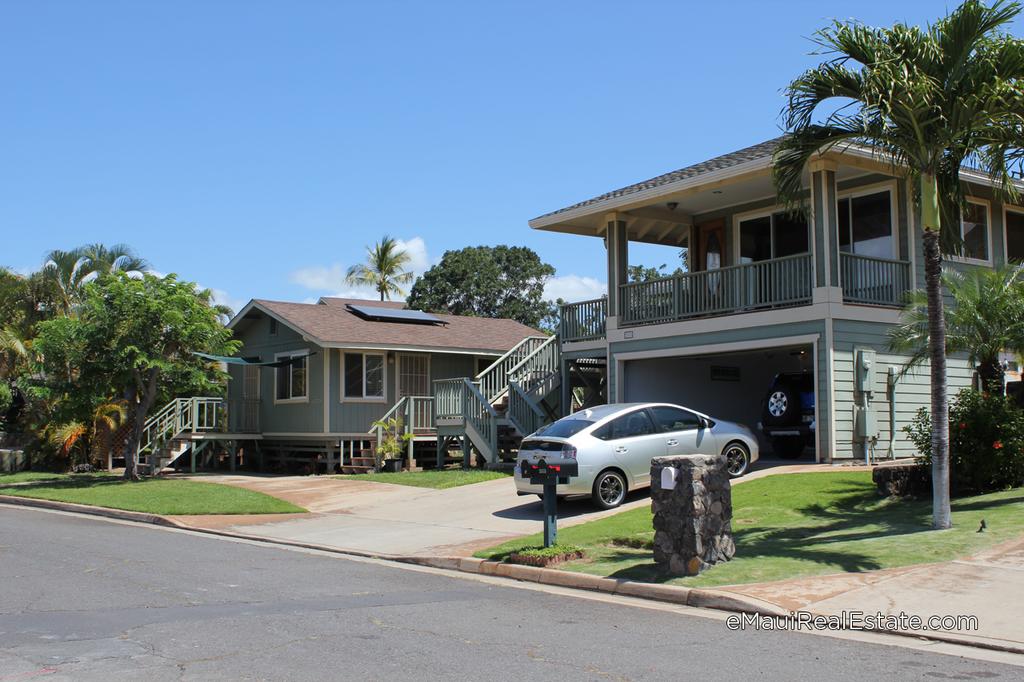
(864, 370)
(865, 422)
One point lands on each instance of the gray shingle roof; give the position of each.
(757, 151)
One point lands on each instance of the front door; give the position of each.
(249, 422)
(413, 374)
(711, 251)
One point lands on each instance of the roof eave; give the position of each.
(645, 196)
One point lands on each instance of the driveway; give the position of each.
(387, 519)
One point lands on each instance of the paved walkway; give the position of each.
(989, 585)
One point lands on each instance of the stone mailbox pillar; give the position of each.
(691, 498)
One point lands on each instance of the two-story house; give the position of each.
(768, 293)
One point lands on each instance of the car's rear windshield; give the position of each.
(564, 428)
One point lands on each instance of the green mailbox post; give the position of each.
(549, 475)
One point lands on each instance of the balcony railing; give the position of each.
(583, 321)
(771, 283)
(875, 281)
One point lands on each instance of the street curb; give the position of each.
(683, 596)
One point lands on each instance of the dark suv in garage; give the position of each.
(787, 416)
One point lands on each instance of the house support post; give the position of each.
(330, 459)
(617, 244)
(466, 454)
(410, 446)
(232, 455)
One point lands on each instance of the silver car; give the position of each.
(614, 444)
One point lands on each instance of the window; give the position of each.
(974, 232)
(673, 419)
(363, 375)
(627, 426)
(865, 225)
(564, 428)
(273, 327)
(772, 236)
(290, 379)
(1014, 235)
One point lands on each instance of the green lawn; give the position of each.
(446, 478)
(155, 496)
(799, 525)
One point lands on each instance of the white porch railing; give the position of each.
(764, 284)
(182, 415)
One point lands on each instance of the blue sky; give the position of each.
(258, 147)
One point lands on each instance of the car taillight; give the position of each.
(568, 451)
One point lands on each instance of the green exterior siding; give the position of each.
(351, 418)
(912, 391)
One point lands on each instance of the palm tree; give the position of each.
(927, 101)
(383, 270)
(66, 271)
(986, 319)
(103, 259)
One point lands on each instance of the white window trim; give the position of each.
(988, 223)
(291, 354)
(761, 213)
(1009, 208)
(877, 188)
(363, 398)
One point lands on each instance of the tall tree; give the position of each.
(384, 269)
(926, 100)
(137, 336)
(66, 271)
(487, 281)
(985, 319)
(103, 259)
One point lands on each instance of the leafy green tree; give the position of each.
(641, 273)
(926, 100)
(486, 281)
(136, 337)
(384, 269)
(986, 319)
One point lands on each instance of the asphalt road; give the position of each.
(86, 599)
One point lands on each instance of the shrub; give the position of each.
(6, 400)
(986, 442)
(545, 556)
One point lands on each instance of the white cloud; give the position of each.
(331, 278)
(221, 297)
(574, 288)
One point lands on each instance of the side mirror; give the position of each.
(704, 423)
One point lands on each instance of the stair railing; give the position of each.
(523, 411)
(179, 416)
(537, 367)
(494, 378)
(478, 411)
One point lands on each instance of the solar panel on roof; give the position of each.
(394, 314)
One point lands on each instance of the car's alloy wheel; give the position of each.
(609, 490)
(737, 459)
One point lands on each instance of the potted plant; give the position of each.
(393, 441)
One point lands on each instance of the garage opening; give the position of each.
(772, 391)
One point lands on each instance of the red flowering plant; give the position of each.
(986, 442)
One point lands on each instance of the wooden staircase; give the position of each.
(175, 431)
(363, 464)
(515, 396)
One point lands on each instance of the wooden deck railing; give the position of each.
(771, 283)
(874, 281)
(583, 321)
